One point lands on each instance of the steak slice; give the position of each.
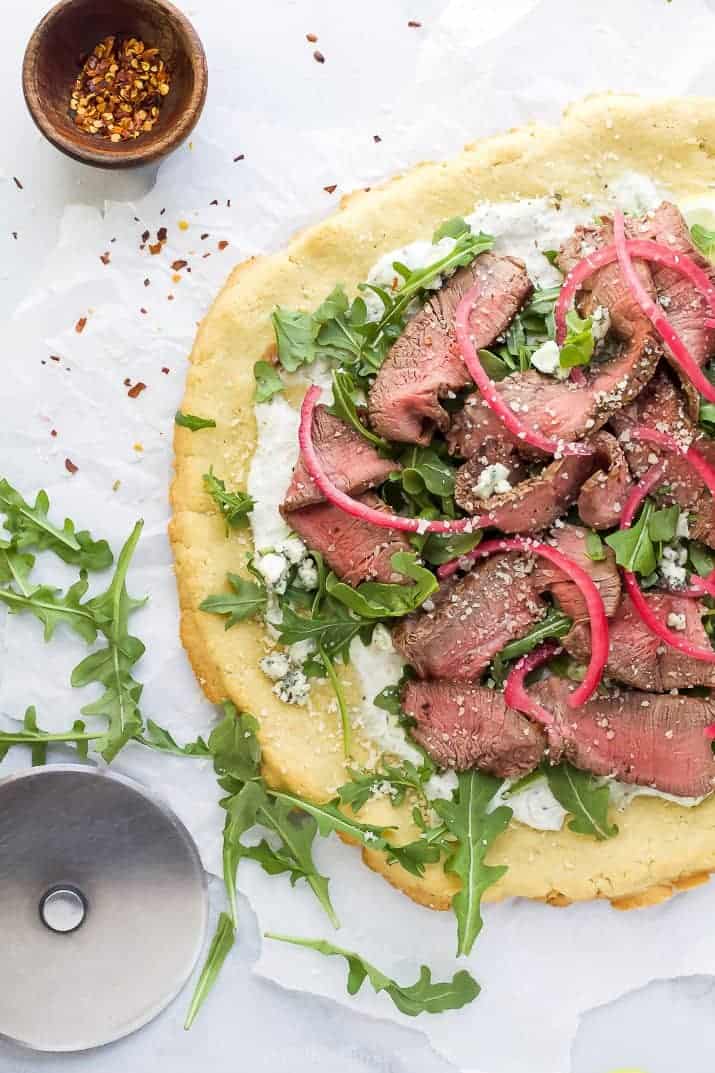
(641, 738)
(571, 541)
(349, 461)
(532, 504)
(471, 619)
(466, 726)
(638, 658)
(356, 550)
(604, 494)
(425, 364)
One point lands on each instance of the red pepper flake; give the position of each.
(14, 235)
(127, 381)
(178, 265)
(223, 244)
(318, 56)
(70, 466)
(17, 183)
(155, 248)
(170, 297)
(145, 236)
(80, 325)
(205, 235)
(135, 392)
(376, 138)
(142, 310)
(162, 212)
(166, 370)
(147, 281)
(53, 432)
(312, 38)
(205, 255)
(214, 202)
(161, 234)
(105, 257)
(241, 156)
(414, 25)
(331, 189)
(54, 357)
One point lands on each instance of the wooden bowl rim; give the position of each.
(130, 154)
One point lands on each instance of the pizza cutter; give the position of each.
(104, 907)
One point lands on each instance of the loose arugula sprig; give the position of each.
(345, 406)
(30, 527)
(585, 798)
(192, 422)
(637, 548)
(248, 599)
(38, 739)
(704, 239)
(234, 506)
(475, 829)
(268, 381)
(555, 624)
(421, 997)
(397, 779)
(377, 600)
(578, 346)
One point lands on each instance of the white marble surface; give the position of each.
(479, 67)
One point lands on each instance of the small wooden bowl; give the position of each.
(67, 35)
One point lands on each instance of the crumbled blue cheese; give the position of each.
(276, 665)
(671, 565)
(676, 621)
(273, 568)
(293, 549)
(682, 529)
(600, 323)
(546, 360)
(441, 786)
(307, 575)
(382, 638)
(293, 687)
(493, 479)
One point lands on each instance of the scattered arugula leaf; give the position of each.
(475, 829)
(235, 506)
(395, 779)
(663, 524)
(345, 406)
(594, 546)
(421, 997)
(633, 546)
(331, 626)
(247, 600)
(424, 470)
(38, 739)
(221, 946)
(495, 367)
(268, 381)
(704, 239)
(441, 548)
(52, 608)
(554, 624)
(706, 417)
(192, 422)
(15, 567)
(377, 600)
(157, 737)
(551, 256)
(577, 348)
(31, 527)
(330, 819)
(454, 228)
(701, 558)
(584, 797)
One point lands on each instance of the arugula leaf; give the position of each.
(578, 345)
(192, 422)
(31, 527)
(39, 739)
(51, 609)
(247, 600)
(551, 256)
(376, 600)
(233, 743)
(706, 417)
(467, 818)
(454, 228)
(157, 737)
(495, 367)
(441, 548)
(554, 624)
(594, 546)
(268, 381)
(330, 819)
(111, 666)
(221, 945)
(663, 524)
(414, 856)
(15, 567)
(587, 800)
(398, 779)
(345, 407)
(424, 470)
(704, 239)
(421, 997)
(701, 558)
(633, 546)
(331, 626)
(235, 506)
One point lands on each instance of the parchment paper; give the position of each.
(470, 69)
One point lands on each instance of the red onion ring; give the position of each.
(515, 693)
(488, 390)
(586, 586)
(383, 519)
(652, 478)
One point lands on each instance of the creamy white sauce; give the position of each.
(523, 229)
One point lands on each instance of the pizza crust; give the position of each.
(662, 847)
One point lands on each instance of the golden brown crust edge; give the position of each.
(661, 848)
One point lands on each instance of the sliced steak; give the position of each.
(356, 550)
(641, 738)
(532, 504)
(571, 541)
(466, 726)
(603, 495)
(351, 463)
(638, 658)
(424, 364)
(472, 618)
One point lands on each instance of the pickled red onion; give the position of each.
(690, 453)
(585, 585)
(491, 396)
(383, 519)
(515, 693)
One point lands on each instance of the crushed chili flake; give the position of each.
(80, 325)
(331, 189)
(414, 24)
(142, 310)
(162, 211)
(165, 369)
(147, 281)
(70, 466)
(120, 89)
(156, 247)
(241, 156)
(145, 236)
(17, 183)
(105, 257)
(127, 381)
(205, 235)
(205, 255)
(178, 265)
(14, 234)
(376, 138)
(53, 432)
(135, 392)
(312, 38)
(318, 56)
(55, 357)
(162, 234)
(223, 244)
(214, 202)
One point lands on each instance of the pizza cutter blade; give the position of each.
(104, 907)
